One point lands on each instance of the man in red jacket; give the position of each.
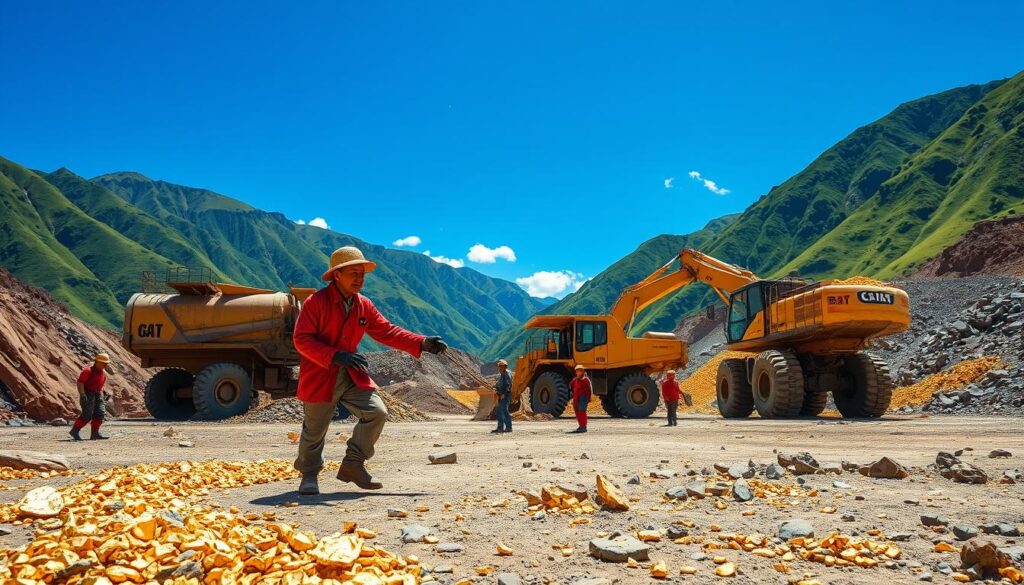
(670, 394)
(330, 326)
(581, 393)
(90, 398)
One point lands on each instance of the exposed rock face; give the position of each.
(990, 247)
(43, 349)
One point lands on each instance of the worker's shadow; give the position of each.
(325, 499)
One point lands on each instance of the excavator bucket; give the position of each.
(486, 409)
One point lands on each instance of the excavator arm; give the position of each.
(723, 278)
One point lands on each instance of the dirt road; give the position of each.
(491, 467)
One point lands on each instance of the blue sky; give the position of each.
(546, 127)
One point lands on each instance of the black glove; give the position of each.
(433, 344)
(351, 359)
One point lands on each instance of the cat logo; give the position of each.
(150, 329)
(875, 298)
(834, 300)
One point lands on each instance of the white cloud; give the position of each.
(320, 223)
(408, 241)
(552, 283)
(481, 254)
(300, 221)
(668, 182)
(708, 183)
(453, 262)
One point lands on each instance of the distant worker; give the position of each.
(581, 392)
(670, 394)
(504, 390)
(327, 334)
(90, 398)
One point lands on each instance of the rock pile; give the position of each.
(289, 410)
(431, 375)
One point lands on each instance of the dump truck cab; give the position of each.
(619, 366)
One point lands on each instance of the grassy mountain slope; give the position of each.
(598, 294)
(974, 170)
(266, 249)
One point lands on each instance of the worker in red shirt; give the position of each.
(581, 393)
(90, 398)
(670, 394)
(328, 330)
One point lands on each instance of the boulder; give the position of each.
(34, 460)
(952, 468)
(985, 553)
(795, 528)
(884, 468)
(619, 550)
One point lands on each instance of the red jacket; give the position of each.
(580, 387)
(670, 390)
(93, 379)
(323, 328)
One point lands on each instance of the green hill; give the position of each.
(885, 198)
(88, 242)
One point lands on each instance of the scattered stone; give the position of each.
(443, 569)
(634, 480)
(925, 576)
(1000, 528)
(740, 471)
(983, 552)
(774, 471)
(662, 473)
(841, 485)
(901, 536)
(695, 489)
(443, 457)
(619, 550)
(964, 532)
(539, 515)
(999, 454)
(4, 531)
(679, 492)
(1011, 476)
(952, 468)
(675, 532)
(76, 568)
(721, 467)
(508, 579)
(884, 468)
(934, 520)
(556, 469)
(741, 491)
(804, 464)
(186, 444)
(719, 488)
(849, 518)
(397, 513)
(833, 468)
(449, 547)
(795, 528)
(414, 533)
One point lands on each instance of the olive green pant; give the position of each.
(365, 405)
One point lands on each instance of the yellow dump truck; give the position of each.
(218, 344)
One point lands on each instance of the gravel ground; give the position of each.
(491, 468)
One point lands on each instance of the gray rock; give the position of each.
(662, 473)
(449, 547)
(188, 570)
(952, 468)
(443, 457)
(720, 467)
(740, 471)
(4, 531)
(741, 491)
(834, 468)
(539, 515)
(925, 576)
(593, 581)
(445, 569)
(848, 518)
(73, 569)
(964, 531)
(698, 556)
(795, 528)
(1000, 528)
(619, 550)
(695, 489)
(33, 460)
(774, 471)
(677, 493)
(901, 536)
(999, 454)
(634, 480)
(804, 463)
(675, 532)
(508, 579)
(934, 520)
(719, 488)
(414, 533)
(841, 485)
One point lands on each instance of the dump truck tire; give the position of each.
(222, 391)
(732, 390)
(160, 399)
(608, 404)
(814, 403)
(778, 384)
(865, 387)
(549, 394)
(636, 395)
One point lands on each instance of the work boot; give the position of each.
(96, 436)
(309, 486)
(497, 431)
(356, 473)
(74, 434)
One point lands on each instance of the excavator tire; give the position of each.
(778, 384)
(865, 387)
(160, 398)
(732, 389)
(814, 403)
(549, 393)
(636, 395)
(221, 391)
(608, 404)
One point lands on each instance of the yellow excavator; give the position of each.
(810, 337)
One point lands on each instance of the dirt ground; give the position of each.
(492, 467)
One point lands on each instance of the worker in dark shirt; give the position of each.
(504, 390)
